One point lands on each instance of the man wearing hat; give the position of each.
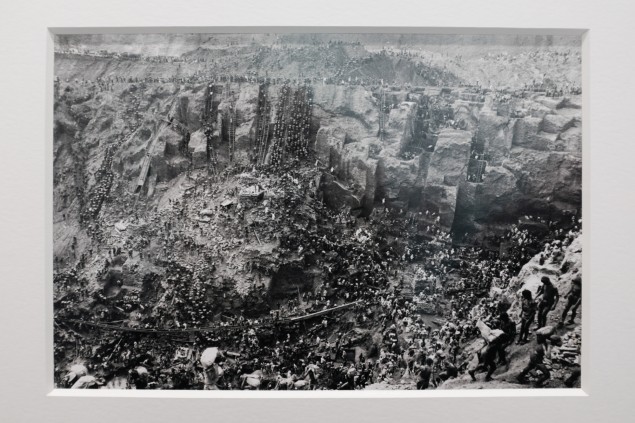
(574, 297)
(550, 297)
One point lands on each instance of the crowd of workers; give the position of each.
(291, 127)
(334, 63)
(359, 265)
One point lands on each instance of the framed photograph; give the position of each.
(306, 211)
(380, 219)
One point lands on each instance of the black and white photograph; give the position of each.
(317, 211)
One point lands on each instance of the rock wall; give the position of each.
(495, 134)
(534, 167)
(347, 119)
(446, 170)
(533, 162)
(448, 164)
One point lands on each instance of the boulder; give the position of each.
(327, 140)
(349, 161)
(551, 178)
(523, 129)
(464, 216)
(336, 195)
(538, 111)
(466, 115)
(543, 141)
(441, 199)
(493, 197)
(397, 176)
(246, 101)
(487, 333)
(449, 161)
(573, 102)
(548, 102)
(529, 181)
(188, 108)
(546, 331)
(165, 148)
(171, 140)
(495, 134)
(556, 123)
(400, 117)
(570, 140)
(176, 166)
(347, 100)
(198, 148)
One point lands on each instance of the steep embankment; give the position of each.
(561, 266)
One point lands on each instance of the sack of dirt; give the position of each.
(209, 357)
(488, 334)
(79, 370)
(546, 331)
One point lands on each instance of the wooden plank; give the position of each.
(320, 313)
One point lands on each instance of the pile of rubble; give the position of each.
(566, 356)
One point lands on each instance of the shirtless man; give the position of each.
(424, 374)
(536, 361)
(574, 298)
(509, 327)
(550, 297)
(486, 360)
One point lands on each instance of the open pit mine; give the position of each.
(317, 211)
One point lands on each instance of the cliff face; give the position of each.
(532, 165)
(529, 165)
(561, 264)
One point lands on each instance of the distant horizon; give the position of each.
(181, 43)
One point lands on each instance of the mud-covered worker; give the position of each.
(574, 297)
(350, 377)
(536, 359)
(509, 327)
(550, 297)
(527, 316)
(424, 374)
(449, 371)
(485, 359)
